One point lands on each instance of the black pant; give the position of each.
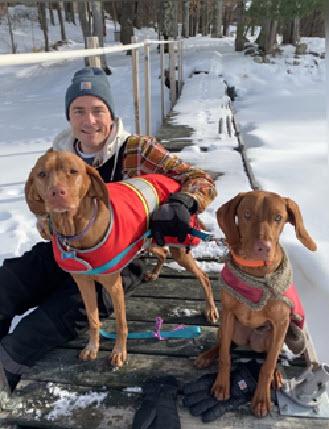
(35, 280)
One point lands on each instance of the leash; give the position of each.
(179, 332)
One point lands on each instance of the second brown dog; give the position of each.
(258, 266)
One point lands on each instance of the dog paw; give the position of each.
(205, 359)
(212, 315)
(277, 380)
(148, 277)
(117, 359)
(221, 387)
(261, 403)
(88, 354)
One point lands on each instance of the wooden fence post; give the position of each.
(172, 72)
(136, 95)
(147, 85)
(93, 43)
(163, 109)
(179, 65)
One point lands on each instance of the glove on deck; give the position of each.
(172, 219)
(201, 402)
(158, 409)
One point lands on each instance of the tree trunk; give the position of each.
(44, 25)
(97, 10)
(218, 18)
(61, 21)
(291, 32)
(239, 41)
(204, 18)
(312, 25)
(186, 18)
(126, 23)
(10, 29)
(51, 14)
(169, 20)
(85, 23)
(267, 36)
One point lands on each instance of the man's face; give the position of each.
(91, 121)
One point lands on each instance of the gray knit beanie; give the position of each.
(89, 81)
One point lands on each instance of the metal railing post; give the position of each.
(179, 65)
(147, 85)
(135, 76)
(163, 109)
(172, 74)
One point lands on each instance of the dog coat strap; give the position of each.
(147, 194)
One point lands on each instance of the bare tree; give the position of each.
(185, 18)
(218, 18)
(44, 24)
(61, 21)
(51, 14)
(10, 29)
(98, 22)
(239, 41)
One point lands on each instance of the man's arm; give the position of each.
(145, 156)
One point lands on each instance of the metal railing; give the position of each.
(175, 69)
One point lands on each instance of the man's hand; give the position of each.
(43, 226)
(172, 219)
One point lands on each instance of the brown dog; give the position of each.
(256, 257)
(64, 186)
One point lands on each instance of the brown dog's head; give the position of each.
(58, 182)
(253, 221)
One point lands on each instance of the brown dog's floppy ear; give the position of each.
(97, 188)
(34, 201)
(295, 218)
(226, 220)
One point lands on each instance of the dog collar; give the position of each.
(68, 239)
(249, 263)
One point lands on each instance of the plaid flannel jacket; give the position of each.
(143, 155)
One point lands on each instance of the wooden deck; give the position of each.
(61, 392)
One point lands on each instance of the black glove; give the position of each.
(158, 409)
(201, 402)
(172, 219)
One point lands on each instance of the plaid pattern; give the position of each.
(143, 155)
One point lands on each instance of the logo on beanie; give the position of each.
(85, 85)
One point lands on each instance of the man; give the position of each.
(34, 279)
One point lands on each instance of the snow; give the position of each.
(281, 112)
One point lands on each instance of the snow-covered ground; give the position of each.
(280, 108)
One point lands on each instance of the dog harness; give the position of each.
(131, 204)
(255, 292)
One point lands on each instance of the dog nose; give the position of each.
(57, 191)
(263, 249)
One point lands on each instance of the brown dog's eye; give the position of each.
(41, 174)
(72, 171)
(247, 214)
(278, 218)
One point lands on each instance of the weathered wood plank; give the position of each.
(177, 311)
(182, 288)
(173, 347)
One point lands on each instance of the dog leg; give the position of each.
(206, 358)
(261, 401)
(113, 284)
(161, 253)
(187, 261)
(86, 286)
(221, 387)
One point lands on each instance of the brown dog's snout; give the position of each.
(263, 249)
(57, 192)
